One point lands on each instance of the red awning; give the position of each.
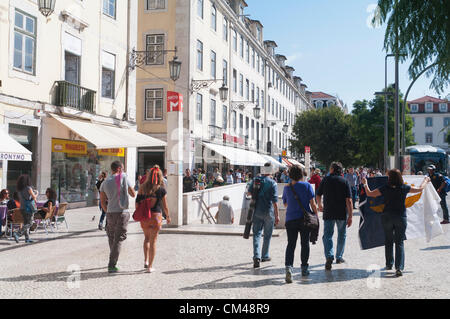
(285, 161)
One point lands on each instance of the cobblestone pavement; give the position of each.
(196, 266)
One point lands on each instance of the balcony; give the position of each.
(215, 133)
(75, 96)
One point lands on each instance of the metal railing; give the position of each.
(215, 132)
(72, 95)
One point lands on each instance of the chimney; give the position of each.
(281, 60)
(290, 71)
(270, 47)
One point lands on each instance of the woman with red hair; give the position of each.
(153, 192)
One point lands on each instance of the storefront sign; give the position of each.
(69, 147)
(174, 102)
(14, 157)
(119, 152)
(284, 153)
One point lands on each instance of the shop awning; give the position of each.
(104, 136)
(11, 150)
(294, 162)
(238, 156)
(274, 161)
(286, 162)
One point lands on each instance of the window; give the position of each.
(241, 12)
(253, 93)
(213, 17)
(241, 48)
(443, 108)
(108, 74)
(414, 108)
(199, 115)
(234, 120)
(200, 8)
(154, 104)
(224, 117)
(252, 130)
(247, 126)
(258, 33)
(247, 89)
(24, 43)
(257, 95)
(199, 55)
(225, 29)
(109, 8)
(429, 122)
(429, 138)
(213, 112)
(241, 85)
(253, 58)
(213, 65)
(429, 107)
(155, 45)
(225, 72)
(156, 4)
(72, 68)
(263, 105)
(446, 122)
(241, 124)
(247, 52)
(235, 41)
(257, 62)
(234, 80)
(319, 104)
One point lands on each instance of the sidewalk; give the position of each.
(208, 266)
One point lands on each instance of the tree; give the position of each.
(327, 132)
(368, 129)
(421, 30)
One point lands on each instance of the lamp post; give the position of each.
(46, 7)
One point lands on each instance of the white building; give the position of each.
(218, 46)
(322, 100)
(431, 120)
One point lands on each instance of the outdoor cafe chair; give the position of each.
(46, 221)
(16, 221)
(60, 215)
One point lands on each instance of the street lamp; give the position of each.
(223, 92)
(175, 68)
(285, 128)
(257, 112)
(46, 7)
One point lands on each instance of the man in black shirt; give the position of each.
(189, 182)
(337, 210)
(439, 184)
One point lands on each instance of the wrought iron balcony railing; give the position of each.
(72, 95)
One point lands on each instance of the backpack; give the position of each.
(144, 209)
(447, 182)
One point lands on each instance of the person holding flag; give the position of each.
(394, 218)
(439, 184)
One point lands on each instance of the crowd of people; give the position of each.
(198, 179)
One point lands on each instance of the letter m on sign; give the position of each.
(174, 102)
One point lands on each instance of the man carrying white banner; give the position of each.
(394, 218)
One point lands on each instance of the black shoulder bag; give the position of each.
(310, 220)
(252, 208)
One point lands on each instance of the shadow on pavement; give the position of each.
(209, 269)
(217, 284)
(436, 248)
(86, 274)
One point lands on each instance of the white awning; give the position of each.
(238, 156)
(274, 161)
(294, 162)
(104, 136)
(11, 150)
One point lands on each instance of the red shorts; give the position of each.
(155, 221)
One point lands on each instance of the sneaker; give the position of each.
(340, 261)
(256, 263)
(29, 241)
(305, 271)
(398, 273)
(113, 270)
(16, 237)
(266, 260)
(288, 275)
(146, 266)
(100, 227)
(445, 222)
(33, 227)
(151, 270)
(389, 267)
(328, 264)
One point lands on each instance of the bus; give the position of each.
(423, 156)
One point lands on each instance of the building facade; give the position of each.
(321, 100)
(67, 94)
(219, 47)
(431, 121)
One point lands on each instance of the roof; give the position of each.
(427, 98)
(321, 95)
(424, 149)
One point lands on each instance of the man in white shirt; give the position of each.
(225, 215)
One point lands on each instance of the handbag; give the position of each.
(144, 209)
(310, 220)
(30, 206)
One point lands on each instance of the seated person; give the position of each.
(48, 206)
(14, 202)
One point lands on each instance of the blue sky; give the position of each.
(331, 46)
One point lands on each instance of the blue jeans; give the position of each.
(443, 197)
(293, 227)
(394, 226)
(354, 195)
(327, 238)
(259, 223)
(102, 217)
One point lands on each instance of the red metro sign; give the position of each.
(174, 102)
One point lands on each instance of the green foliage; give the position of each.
(423, 29)
(327, 131)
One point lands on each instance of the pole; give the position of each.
(397, 114)
(386, 117)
